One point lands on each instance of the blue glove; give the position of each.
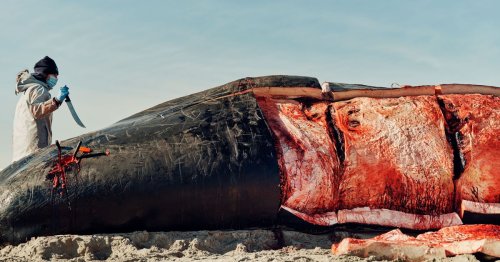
(63, 93)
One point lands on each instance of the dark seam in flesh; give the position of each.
(336, 136)
(452, 136)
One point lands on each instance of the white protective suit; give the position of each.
(33, 116)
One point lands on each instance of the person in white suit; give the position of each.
(33, 116)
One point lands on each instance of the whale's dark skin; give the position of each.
(204, 161)
(269, 152)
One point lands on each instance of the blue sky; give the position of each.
(120, 57)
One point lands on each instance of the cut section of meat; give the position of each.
(308, 160)
(392, 218)
(450, 241)
(396, 155)
(479, 208)
(389, 246)
(484, 213)
(387, 161)
(321, 219)
(466, 239)
(474, 121)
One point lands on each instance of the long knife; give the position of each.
(73, 112)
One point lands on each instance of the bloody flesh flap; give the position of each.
(385, 161)
(449, 241)
(476, 126)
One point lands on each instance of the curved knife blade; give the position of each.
(73, 112)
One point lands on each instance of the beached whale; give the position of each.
(238, 155)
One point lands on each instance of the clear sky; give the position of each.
(120, 57)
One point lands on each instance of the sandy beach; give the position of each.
(245, 245)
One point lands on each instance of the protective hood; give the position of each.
(26, 80)
(44, 67)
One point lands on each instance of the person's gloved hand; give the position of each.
(63, 93)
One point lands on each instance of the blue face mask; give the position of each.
(52, 81)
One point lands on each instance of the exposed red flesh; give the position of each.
(397, 155)
(477, 119)
(450, 241)
(386, 161)
(308, 158)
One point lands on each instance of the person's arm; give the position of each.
(38, 103)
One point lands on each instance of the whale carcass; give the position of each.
(239, 155)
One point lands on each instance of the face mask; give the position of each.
(52, 81)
